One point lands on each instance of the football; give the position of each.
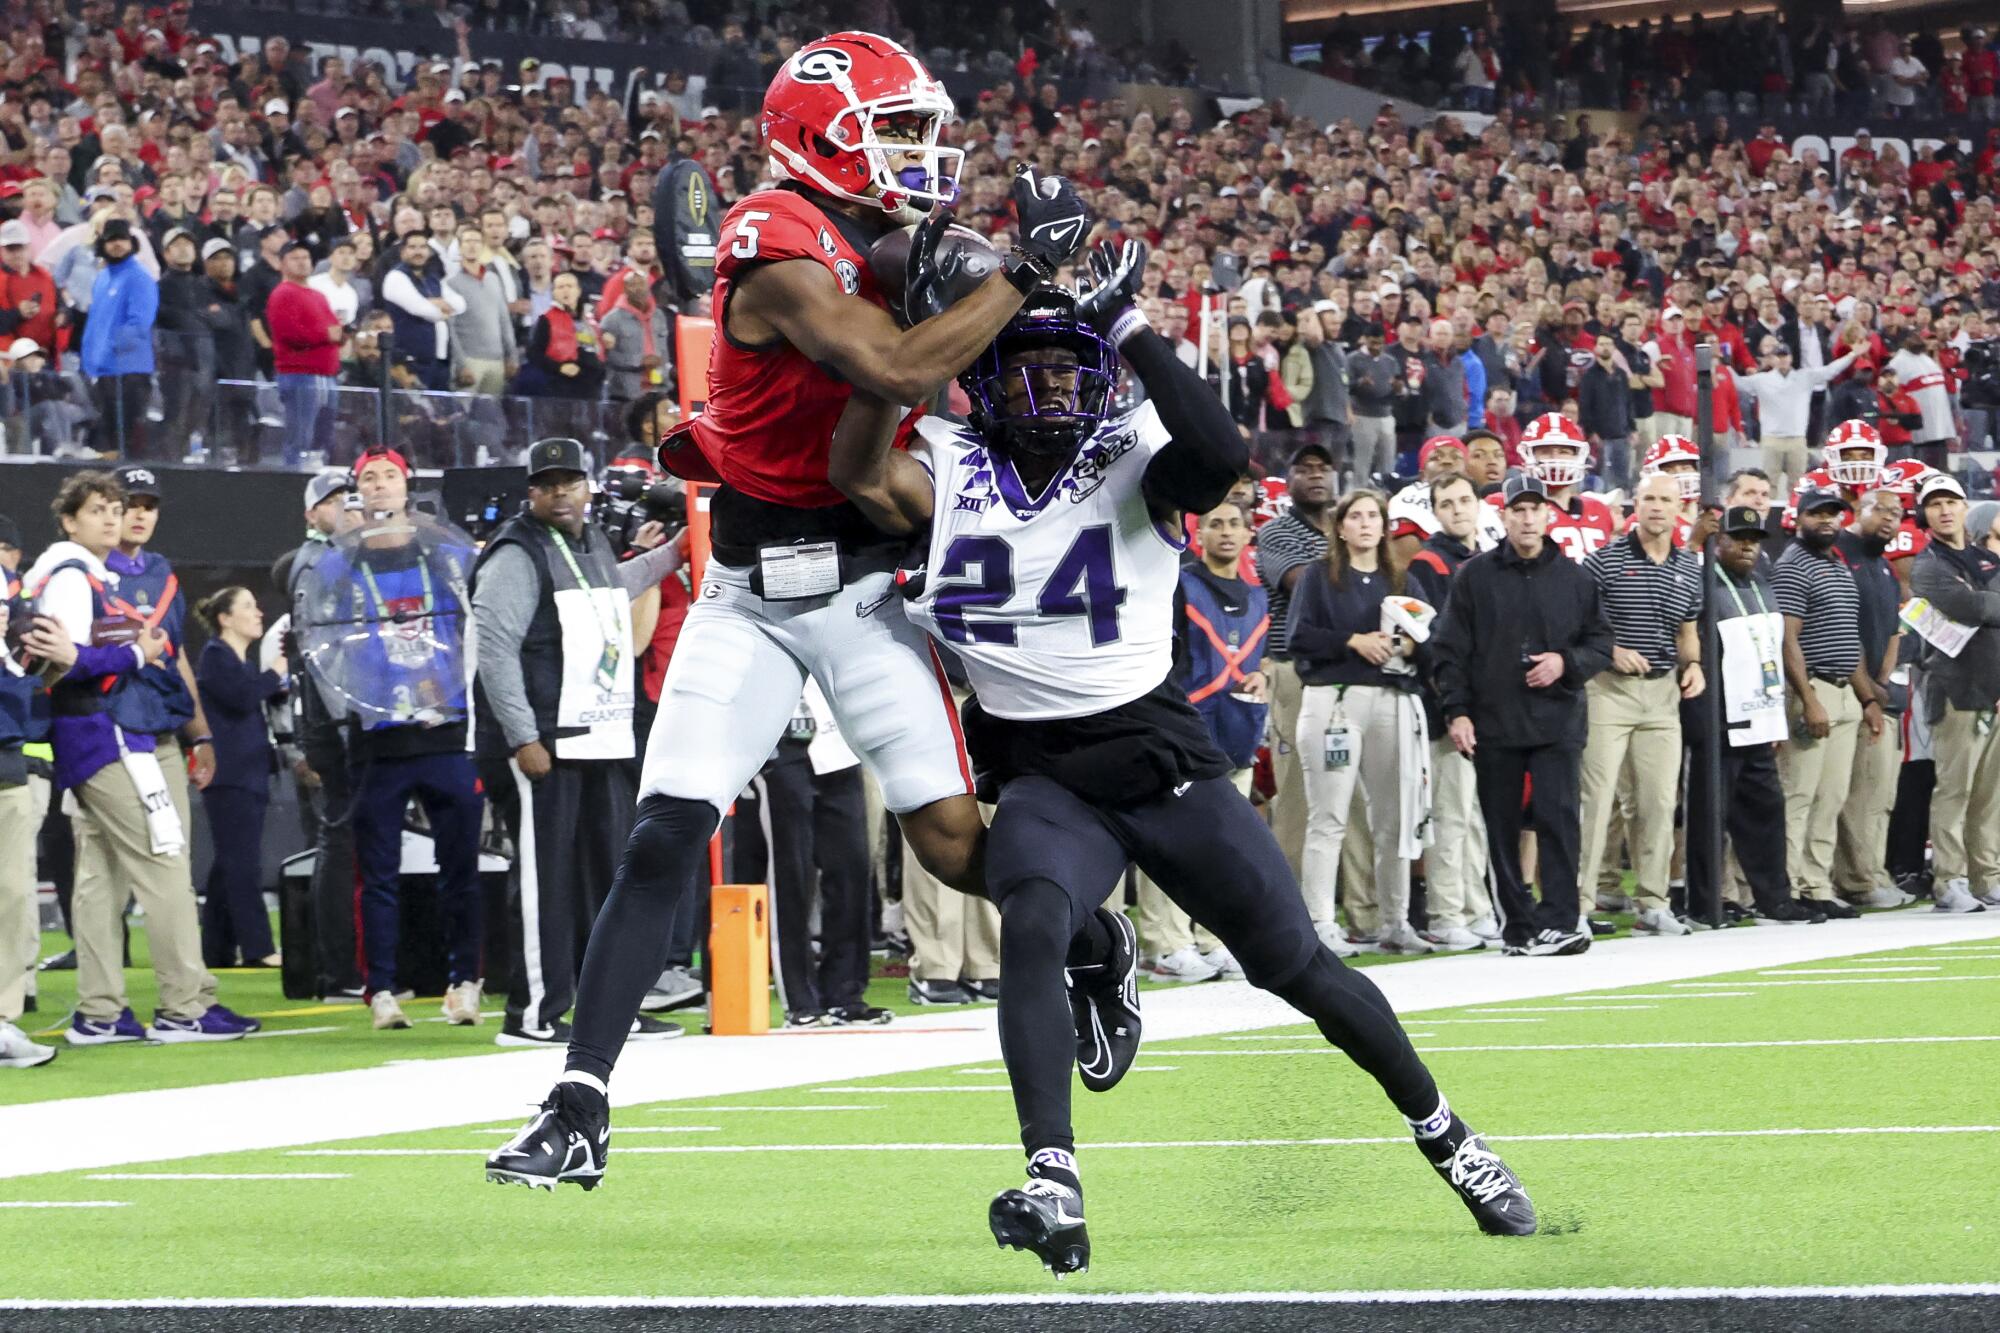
(963, 253)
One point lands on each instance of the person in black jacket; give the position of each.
(186, 343)
(1524, 632)
(228, 319)
(233, 694)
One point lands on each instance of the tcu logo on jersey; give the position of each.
(829, 64)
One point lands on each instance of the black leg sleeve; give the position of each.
(1353, 1014)
(1037, 1038)
(628, 945)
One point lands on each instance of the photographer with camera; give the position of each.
(553, 700)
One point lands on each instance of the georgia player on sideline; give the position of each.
(1853, 461)
(1410, 518)
(1554, 450)
(1676, 456)
(800, 583)
(1052, 562)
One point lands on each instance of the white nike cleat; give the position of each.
(1184, 966)
(1659, 921)
(1955, 897)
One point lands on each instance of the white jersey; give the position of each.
(1411, 515)
(1930, 388)
(1060, 605)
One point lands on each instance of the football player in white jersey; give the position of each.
(1411, 521)
(1054, 543)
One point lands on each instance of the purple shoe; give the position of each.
(249, 1024)
(215, 1024)
(99, 1032)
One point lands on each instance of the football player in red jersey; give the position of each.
(800, 582)
(1853, 461)
(1906, 476)
(1676, 456)
(1553, 449)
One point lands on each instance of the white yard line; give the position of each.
(1565, 1009)
(745, 1110)
(1448, 1295)
(1842, 971)
(1401, 1140)
(486, 1086)
(220, 1175)
(1864, 981)
(290, 1032)
(1709, 994)
(1498, 1048)
(73, 1203)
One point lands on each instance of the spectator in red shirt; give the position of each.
(305, 348)
(28, 305)
(1982, 74)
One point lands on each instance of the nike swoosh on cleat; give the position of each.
(1064, 1219)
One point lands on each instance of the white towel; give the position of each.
(1413, 774)
(163, 822)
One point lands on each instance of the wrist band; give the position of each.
(200, 741)
(1027, 272)
(1128, 322)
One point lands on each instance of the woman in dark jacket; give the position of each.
(1359, 698)
(233, 693)
(562, 359)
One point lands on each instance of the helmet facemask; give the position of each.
(1855, 464)
(1042, 391)
(1558, 462)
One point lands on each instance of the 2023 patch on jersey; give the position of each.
(1060, 604)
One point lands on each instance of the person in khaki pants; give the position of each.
(23, 802)
(1961, 579)
(1286, 547)
(1830, 696)
(1651, 592)
(127, 787)
(1861, 847)
(954, 939)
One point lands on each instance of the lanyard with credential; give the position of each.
(607, 622)
(1767, 653)
(382, 603)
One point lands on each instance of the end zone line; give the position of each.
(72, 1203)
(1609, 1136)
(1616, 1046)
(1445, 1296)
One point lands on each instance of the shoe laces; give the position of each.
(1047, 1189)
(1479, 1172)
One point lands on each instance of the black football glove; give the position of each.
(1053, 223)
(924, 284)
(1115, 270)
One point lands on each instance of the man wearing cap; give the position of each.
(1860, 870)
(305, 349)
(1673, 354)
(331, 508)
(1523, 633)
(1960, 577)
(1751, 799)
(401, 601)
(1784, 397)
(1286, 547)
(28, 304)
(118, 343)
(1832, 695)
(553, 698)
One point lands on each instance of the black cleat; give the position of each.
(1104, 1003)
(1047, 1218)
(568, 1140)
(1491, 1191)
(860, 1015)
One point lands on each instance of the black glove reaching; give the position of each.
(1115, 270)
(924, 283)
(1053, 223)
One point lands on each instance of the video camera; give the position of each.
(628, 498)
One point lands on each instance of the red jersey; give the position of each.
(1582, 527)
(768, 423)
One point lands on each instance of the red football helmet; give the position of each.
(1904, 476)
(823, 119)
(1854, 454)
(1553, 449)
(1675, 450)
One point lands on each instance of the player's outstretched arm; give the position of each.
(860, 340)
(1207, 454)
(888, 486)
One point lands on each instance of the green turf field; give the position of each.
(1673, 1135)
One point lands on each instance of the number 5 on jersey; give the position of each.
(978, 574)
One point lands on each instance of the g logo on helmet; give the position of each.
(826, 65)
